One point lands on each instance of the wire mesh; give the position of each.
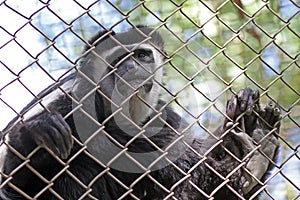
(214, 49)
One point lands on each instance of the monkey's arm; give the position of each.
(241, 149)
(49, 130)
(256, 131)
(46, 130)
(264, 148)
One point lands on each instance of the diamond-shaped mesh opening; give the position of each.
(121, 116)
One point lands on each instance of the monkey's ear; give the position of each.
(96, 38)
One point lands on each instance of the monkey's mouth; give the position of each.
(148, 86)
(128, 87)
(141, 85)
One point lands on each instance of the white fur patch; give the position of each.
(136, 109)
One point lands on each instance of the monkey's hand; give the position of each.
(48, 130)
(260, 145)
(265, 146)
(243, 108)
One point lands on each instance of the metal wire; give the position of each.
(251, 31)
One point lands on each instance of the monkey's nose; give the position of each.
(130, 65)
(148, 86)
(127, 67)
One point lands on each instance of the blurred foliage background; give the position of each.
(215, 48)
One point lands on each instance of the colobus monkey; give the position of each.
(103, 133)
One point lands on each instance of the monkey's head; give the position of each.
(128, 69)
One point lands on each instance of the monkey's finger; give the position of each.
(253, 102)
(231, 107)
(65, 131)
(60, 131)
(244, 96)
(242, 99)
(276, 114)
(245, 140)
(255, 94)
(38, 131)
(271, 115)
(43, 139)
(268, 112)
(277, 111)
(58, 141)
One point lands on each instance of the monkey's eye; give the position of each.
(144, 55)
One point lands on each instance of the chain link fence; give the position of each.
(214, 48)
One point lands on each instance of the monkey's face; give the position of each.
(135, 72)
(128, 67)
(136, 80)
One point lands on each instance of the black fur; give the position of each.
(79, 180)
